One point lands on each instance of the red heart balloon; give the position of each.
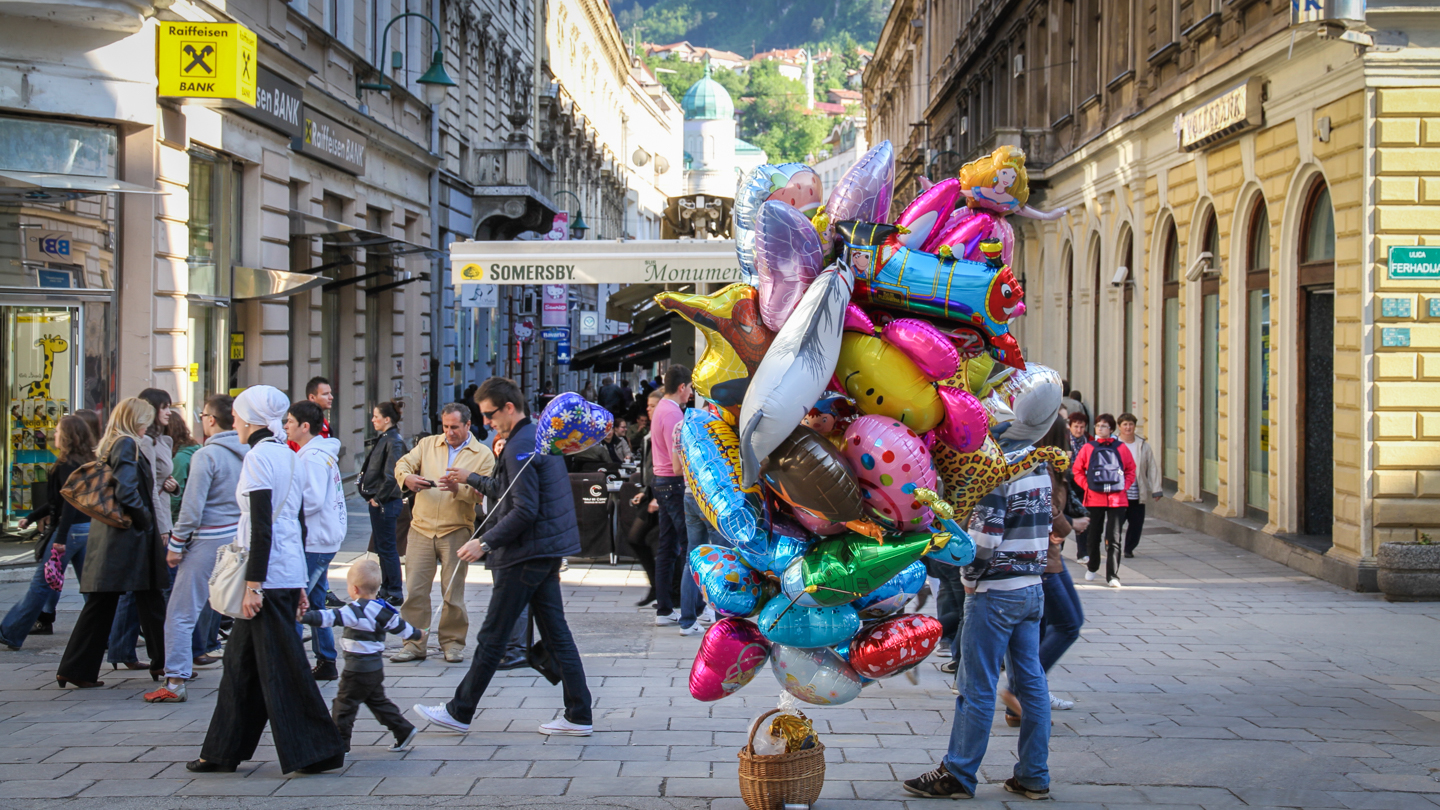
(894, 645)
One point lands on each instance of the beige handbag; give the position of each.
(227, 581)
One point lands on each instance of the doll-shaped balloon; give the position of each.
(735, 340)
(831, 415)
(994, 186)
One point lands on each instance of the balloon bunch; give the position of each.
(841, 405)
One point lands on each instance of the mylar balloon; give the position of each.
(796, 185)
(830, 416)
(840, 569)
(735, 339)
(931, 351)
(729, 656)
(893, 596)
(883, 380)
(795, 371)
(965, 422)
(814, 676)
(927, 214)
(570, 424)
(807, 627)
(865, 190)
(968, 477)
(710, 462)
(818, 525)
(960, 550)
(894, 645)
(787, 259)
(753, 189)
(807, 471)
(1033, 395)
(890, 461)
(731, 587)
(788, 540)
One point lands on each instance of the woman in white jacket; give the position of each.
(324, 519)
(1147, 481)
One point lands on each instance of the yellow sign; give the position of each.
(207, 60)
(472, 272)
(194, 372)
(237, 345)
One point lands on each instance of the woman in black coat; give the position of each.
(119, 561)
(382, 492)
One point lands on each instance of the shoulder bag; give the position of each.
(91, 489)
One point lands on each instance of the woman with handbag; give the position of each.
(377, 485)
(267, 675)
(35, 612)
(124, 554)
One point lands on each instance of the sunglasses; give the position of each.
(488, 415)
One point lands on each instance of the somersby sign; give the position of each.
(632, 262)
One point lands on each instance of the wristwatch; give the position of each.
(484, 548)
(260, 592)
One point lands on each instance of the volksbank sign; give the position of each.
(619, 262)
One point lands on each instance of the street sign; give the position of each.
(1414, 262)
(556, 333)
(589, 323)
(562, 351)
(207, 60)
(554, 305)
(478, 296)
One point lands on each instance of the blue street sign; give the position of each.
(562, 352)
(561, 333)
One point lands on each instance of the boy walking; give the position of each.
(366, 621)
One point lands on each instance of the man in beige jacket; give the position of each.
(442, 519)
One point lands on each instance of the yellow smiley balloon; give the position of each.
(884, 382)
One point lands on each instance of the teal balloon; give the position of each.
(891, 598)
(788, 541)
(961, 548)
(807, 627)
(730, 585)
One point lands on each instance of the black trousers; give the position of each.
(86, 649)
(1105, 521)
(669, 565)
(1134, 524)
(537, 584)
(367, 688)
(267, 680)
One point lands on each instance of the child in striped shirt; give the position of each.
(366, 621)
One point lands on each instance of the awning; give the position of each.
(341, 235)
(667, 261)
(627, 303)
(635, 348)
(256, 283)
(42, 186)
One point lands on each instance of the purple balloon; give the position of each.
(787, 259)
(865, 191)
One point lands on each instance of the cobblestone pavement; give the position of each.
(1213, 679)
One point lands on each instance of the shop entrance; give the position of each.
(1316, 301)
(40, 369)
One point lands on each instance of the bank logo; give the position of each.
(472, 272)
(193, 59)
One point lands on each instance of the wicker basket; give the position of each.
(769, 782)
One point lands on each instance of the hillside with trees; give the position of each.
(752, 26)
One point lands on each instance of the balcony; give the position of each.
(512, 191)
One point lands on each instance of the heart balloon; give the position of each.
(966, 421)
(890, 461)
(894, 645)
(788, 540)
(891, 598)
(807, 471)
(731, 586)
(807, 627)
(787, 259)
(710, 462)
(730, 654)
(814, 676)
(840, 569)
(570, 424)
(883, 380)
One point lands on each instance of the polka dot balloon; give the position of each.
(891, 461)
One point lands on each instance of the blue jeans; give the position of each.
(1063, 619)
(670, 494)
(382, 527)
(997, 622)
(322, 639)
(40, 598)
(698, 532)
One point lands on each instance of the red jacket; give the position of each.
(1082, 464)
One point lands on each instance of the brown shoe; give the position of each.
(205, 661)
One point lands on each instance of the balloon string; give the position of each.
(494, 510)
(783, 612)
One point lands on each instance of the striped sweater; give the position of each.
(366, 621)
(1011, 529)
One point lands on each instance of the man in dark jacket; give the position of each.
(533, 527)
(611, 399)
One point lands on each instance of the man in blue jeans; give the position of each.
(698, 532)
(1003, 607)
(669, 490)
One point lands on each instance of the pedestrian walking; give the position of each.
(267, 678)
(319, 393)
(380, 489)
(119, 561)
(669, 490)
(1079, 428)
(182, 448)
(610, 397)
(442, 520)
(366, 621)
(1105, 470)
(209, 516)
(695, 614)
(645, 529)
(325, 519)
(1005, 600)
(534, 527)
(1147, 481)
(69, 532)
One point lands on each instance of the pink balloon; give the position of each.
(732, 651)
(864, 191)
(787, 259)
(1006, 235)
(857, 321)
(964, 234)
(966, 420)
(928, 213)
(890, 460)
(894, 646)
(932, 352)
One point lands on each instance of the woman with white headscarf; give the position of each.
(267, 676)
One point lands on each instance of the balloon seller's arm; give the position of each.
(987, 529)
(524, 500)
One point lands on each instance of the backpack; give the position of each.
(1105, 474)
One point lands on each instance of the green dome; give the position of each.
(707, 100)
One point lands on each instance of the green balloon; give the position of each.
(845, 567)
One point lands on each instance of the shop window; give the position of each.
(1210, 360)
(216, 214)
(40, 347)
(1257, 363)
(1170, 365)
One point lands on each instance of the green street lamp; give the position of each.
(578, 227)
(433, 82)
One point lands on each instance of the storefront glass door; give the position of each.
(39, 368)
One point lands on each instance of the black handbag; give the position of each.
(539, 656)
(42, 538)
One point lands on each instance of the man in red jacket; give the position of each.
(318, 391)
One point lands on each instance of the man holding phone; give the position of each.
(442, 519)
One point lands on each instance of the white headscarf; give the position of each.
(263, 405)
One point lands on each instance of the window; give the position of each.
(1257, 362)
(1210, 361)
(1127, 258)
(1069, 316)
(213, 252)
(1095, 294)
(1170, 371)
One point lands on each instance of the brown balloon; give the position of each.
(807, 471)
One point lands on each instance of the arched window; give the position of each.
(1127, 258)
(1069, 313)
(1095, 288)
(1316, 301)
(1170, 364)
(1210, 360)
(1257, 362)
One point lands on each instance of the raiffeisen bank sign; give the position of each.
(594, 262)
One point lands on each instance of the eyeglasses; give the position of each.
(207, 416)
(488, 415)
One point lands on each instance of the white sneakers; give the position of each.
(1082, 560)
(673, 617)
(561, 727)
(1089, 576)
(1113, 582)
(693, 630)
(708, 617)
(440, 716)
(1060, 704)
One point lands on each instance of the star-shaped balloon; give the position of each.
(735, 339)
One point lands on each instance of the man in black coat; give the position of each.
(611, 399)
(533, 528)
